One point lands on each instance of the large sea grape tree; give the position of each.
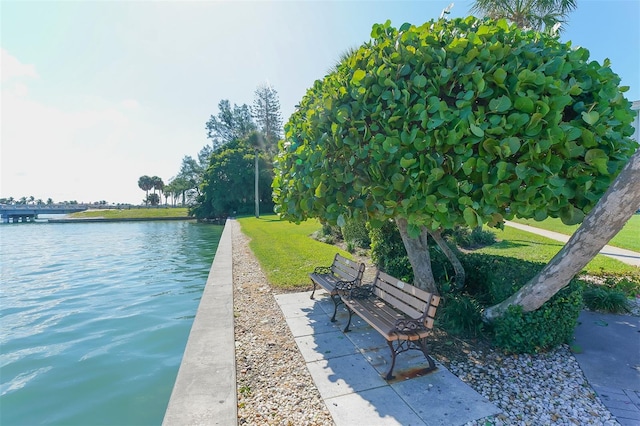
(454, 122)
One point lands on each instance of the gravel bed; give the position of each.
(275, 387)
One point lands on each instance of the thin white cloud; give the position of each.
(11, 67)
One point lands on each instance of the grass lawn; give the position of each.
(628, 238)
(527, 246)
(133, 213)
(285, 251)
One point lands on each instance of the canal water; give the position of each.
(94, 318)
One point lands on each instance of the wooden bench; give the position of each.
(343, 274)
(401, 313)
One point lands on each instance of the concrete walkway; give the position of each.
(627, 256)
(347, 369)
(608, 351)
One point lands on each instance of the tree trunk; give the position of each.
(610, 214)
(418, 253)
(457, 265)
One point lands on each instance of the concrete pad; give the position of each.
(374, 407)
(440, 398)
(306, 307)
(349, 369)
(310, 324)
(610, 349)
(324, 346)
(340, 376)
(366, 338)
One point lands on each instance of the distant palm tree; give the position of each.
(547, 15)
(145, 183)
(158, 184)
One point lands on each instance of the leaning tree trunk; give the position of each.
(418, 253)
(455, 262)
(602, 223)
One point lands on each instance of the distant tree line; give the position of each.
(221, 180)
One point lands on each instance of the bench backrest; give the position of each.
(347, 270)
(410, 300)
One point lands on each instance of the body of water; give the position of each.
(94, 318)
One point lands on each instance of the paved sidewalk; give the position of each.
(609, 356)
(347, 369)
(627, 256)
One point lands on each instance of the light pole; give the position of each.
(256, 185)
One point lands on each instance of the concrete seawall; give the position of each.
(205, 389)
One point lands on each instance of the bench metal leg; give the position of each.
(314, 289)
(346, 329)
(336, 301)
(405, 345)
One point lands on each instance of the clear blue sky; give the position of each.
(97, 94)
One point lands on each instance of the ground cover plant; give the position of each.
(628, 237)
(133, 213)
(286, 252)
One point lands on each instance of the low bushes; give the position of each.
(550, 325)
(605, 299)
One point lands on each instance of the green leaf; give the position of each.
(590, 118)
(500, 75)
(471, 218)
(597, 158)
(358, 75)
(341, 221)
(501, 104)
(476, 130)
(524, 104)
(405, 163)
(420, 81)
(390, 145)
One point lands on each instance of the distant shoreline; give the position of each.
(130, 219)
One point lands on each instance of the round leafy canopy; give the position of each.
(462, 121)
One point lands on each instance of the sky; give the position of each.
(95, 94)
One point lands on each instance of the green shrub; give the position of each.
(492, 279)
(459, 314)
(604, 299)
(355, 231)
(469, 239)
(550, 325)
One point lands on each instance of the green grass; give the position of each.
(287, 253)
(285, 250)
(535, 248)
(628, 237)
(133, 213)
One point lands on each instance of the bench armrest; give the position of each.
(324, 270)
(361, 291)
(404, 325)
